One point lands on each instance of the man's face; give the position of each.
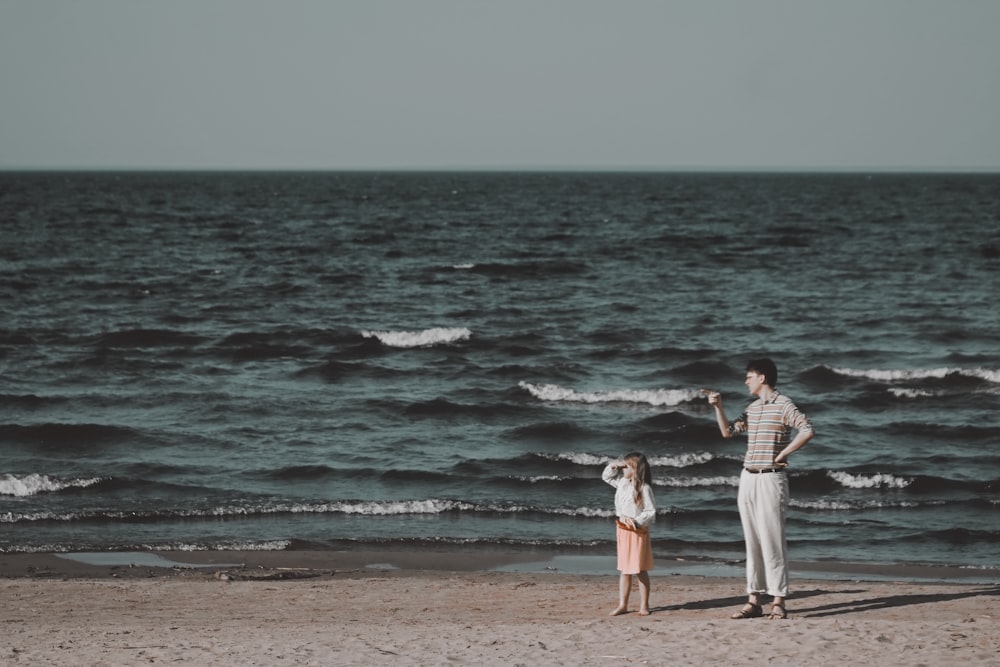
(754, 382)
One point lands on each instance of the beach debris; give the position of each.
(36, 572)
(269, 575)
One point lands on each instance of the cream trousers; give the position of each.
(763, 502)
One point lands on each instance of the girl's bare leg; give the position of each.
(624, 588)
(643, 578)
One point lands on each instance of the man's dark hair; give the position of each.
(765, 367)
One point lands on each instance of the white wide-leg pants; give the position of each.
(763, 502)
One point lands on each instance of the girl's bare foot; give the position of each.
(644, 612)
(619, 610)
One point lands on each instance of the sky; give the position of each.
(500, 84)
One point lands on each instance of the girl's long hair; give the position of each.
(642, 475)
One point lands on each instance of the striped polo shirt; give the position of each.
(769, 426)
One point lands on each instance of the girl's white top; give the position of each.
(625, 506)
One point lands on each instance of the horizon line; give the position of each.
(515, 169)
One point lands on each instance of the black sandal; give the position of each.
(778, 611)
(749, 610)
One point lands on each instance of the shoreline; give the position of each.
(318, 562)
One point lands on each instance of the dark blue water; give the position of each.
(337, 360)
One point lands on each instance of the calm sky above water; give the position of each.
(537, 84)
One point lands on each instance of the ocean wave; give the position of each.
(419, 543)
(578, 458)
(235, 545)
(904, 374)
(37, 549)
(34, 484)
(679, 461)
(910, 393)
(425, 338)
(876, 481)
(368, 508)
(655, 397)
(684, 460)
(696, 482)
(362, 508)
(538, 479)
(827, 504)
(378, 507)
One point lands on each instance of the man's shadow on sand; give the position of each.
(834, 609)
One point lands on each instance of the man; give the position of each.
(768, 423)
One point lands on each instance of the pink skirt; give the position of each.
(635, 550)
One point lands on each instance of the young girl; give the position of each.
(635, 509)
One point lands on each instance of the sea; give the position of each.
(446, 360)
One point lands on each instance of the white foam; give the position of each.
(905, 374)
(695, 482)
(876, 481)
(839, 505)
(540, 478)
(34, 483)
(655, 397)
(425, 338)
(398, 507)
(685, 460)
(267, 545)
(681, 460)
(910, 393)
(580, 458)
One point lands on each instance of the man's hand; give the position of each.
(714, 397)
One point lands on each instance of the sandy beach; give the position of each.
(323, 608)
